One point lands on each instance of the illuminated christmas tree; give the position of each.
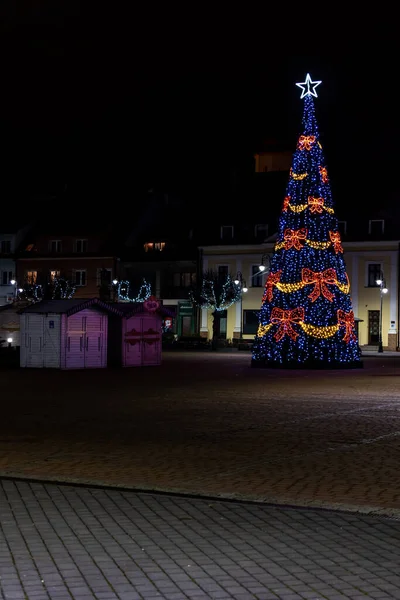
(306, 318)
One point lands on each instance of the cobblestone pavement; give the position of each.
(208, 424)
(62, 542)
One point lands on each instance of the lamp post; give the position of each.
(14, 283)
(243, 287)
(265, 263)
(383, 290)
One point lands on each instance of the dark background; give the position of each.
(112, 103)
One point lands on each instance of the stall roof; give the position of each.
(132, 308)
(69, 307)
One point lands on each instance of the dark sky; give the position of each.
(108, 102)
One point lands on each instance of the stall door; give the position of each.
(151, 341)
(34, 341)
(94, 341)
(75, 342)
(142, 343)
(85, 341)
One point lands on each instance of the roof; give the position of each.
(127, 310)
(68, 307)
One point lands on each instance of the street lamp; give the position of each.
(383, 290)
(265, 262)
(242, 282)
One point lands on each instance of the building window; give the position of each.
(149, 246)
(80, 277)
(256, 276)
(31, 277)
(374, 273)
(376, 227)
(261, 231)
(184, 280)
(227, 232)
(6, 277)
(55, 246)
(250, 321)
(223, 271)
(6, 247)
(54, 275)
(342, 226)
(104, 276)
(81, 245)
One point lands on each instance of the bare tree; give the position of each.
(216, 292)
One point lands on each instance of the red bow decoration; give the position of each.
(285, 318)
(321, 280)
(324, 174)
(347, 320)
(315, 204)
(272, 279)
(336, 241)
(293, 238)
(305, 141)
(286, 201)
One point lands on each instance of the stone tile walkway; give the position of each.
(61, 542)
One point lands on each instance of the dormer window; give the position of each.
(376, 226)
(154, 246)
(81, 245)
(55, 246)
(261, 231)
(227, 232)
(6, 247)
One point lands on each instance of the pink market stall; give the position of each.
(135, 340)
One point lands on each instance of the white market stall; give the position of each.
(65, 334)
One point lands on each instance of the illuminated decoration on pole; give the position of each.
(306, 318)
(123, 291)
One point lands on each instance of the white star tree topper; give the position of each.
(308, 87)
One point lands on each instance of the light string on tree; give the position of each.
(62, 288)
(123, 291)
(210, 299)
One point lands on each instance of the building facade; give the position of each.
(83, 259)
(367, 262)
(9, 242)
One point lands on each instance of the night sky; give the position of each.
(124, 107)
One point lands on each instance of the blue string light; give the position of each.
(306, 318)
(123, 291)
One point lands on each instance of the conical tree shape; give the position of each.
(306, 317)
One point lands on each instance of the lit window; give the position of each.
(54, 275)
(149, 246)
(31, 277)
